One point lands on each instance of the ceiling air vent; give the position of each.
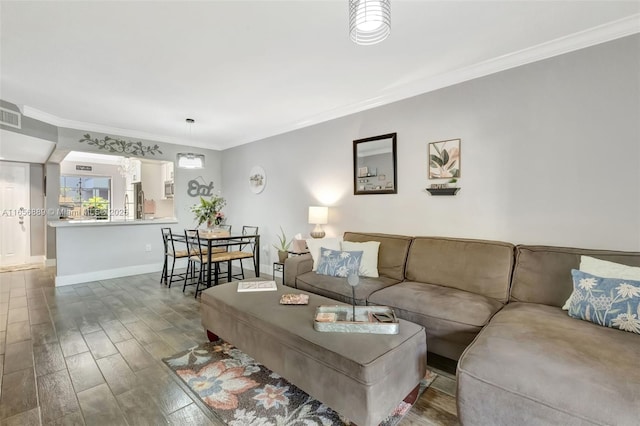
(10, 118)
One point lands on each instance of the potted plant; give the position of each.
(209, 211)
(282, 247)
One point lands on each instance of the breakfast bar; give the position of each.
(90, 250)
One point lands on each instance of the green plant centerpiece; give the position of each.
(282, 246)
(209, 211)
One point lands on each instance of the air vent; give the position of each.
(10, 118)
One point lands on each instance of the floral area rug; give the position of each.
(242, 392)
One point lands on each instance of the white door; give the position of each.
(14, 209)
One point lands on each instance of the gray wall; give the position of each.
(550, 154)
(52, 171)
(30, 126)
(36, 197)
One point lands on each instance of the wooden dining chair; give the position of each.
(246, 250)
(170, 252)
(199, 259)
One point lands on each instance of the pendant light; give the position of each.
(189, 160)
(369, 21)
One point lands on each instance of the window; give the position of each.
(85, 196)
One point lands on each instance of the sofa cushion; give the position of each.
(532, 363)
(338, 288)
(610, 302)
(338, 263)
(542, 274)
(604, 269)
(451, 317)
(478, 266)
(392, 255)
(369, 263)
(315, 244)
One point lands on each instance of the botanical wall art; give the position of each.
(444, 159)
(121, 146)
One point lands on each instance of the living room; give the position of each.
(549, 147)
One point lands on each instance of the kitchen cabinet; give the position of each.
(152, 182)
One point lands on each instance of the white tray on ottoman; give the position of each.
(361, 376)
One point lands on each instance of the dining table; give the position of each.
(226, 239)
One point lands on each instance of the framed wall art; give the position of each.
(374, 165)
(444, 159)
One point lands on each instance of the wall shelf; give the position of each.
(443, 191)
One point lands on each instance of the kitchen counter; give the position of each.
(117, 222)
(92, 250)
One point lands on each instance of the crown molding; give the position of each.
(111, 131)
(601, 34)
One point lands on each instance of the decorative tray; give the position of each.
(368, 319)
(294, 299)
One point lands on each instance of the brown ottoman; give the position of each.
(361, 376)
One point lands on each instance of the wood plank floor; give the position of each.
(91, 354)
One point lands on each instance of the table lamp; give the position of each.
(318, 216)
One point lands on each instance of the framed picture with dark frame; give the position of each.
(375, 159)
(444, 159)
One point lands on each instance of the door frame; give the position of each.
(27, 206)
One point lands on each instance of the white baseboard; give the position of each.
(37, 259)
(50, 262)
(132, 270)
(107, 274)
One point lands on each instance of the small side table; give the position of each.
(278, 267)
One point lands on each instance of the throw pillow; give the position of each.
(605, 269)
(338, 263)
(314, 245)
(611, 302)
(369, 264)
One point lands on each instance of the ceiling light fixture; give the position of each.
(190, 160)
(128, 167)
(369, 21)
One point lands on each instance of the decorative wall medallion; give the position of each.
(121, 146)
(257, 179)
(197, 189)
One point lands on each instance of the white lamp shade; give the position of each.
(318, 215)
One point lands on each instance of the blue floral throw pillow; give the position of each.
(338, 263)
(611, 302)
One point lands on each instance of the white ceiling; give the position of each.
(23, 148)
(245, 70)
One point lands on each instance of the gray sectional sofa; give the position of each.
(496, 308)
(533, 364)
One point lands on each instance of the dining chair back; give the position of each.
(246, 250)
(199, 259)
(170, 251)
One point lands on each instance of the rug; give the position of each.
(16, 268)
(242, 392)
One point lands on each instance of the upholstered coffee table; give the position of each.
(361, 376)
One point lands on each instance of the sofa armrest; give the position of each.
(296, 265)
